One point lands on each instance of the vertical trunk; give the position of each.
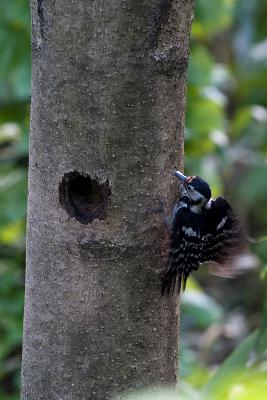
(108, 103)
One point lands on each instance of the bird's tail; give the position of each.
(174, 278)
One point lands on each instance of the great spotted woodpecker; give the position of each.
(201, 229)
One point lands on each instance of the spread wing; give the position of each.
(223, 237)
(185, 248)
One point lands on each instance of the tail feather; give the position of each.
(177, 276)
(185, 276)
(170, 280)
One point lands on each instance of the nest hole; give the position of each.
(83, 197)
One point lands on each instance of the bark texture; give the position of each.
(108, 103)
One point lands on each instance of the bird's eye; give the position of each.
(190, 187)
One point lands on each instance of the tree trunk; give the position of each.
(107, 117)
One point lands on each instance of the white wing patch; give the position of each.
(221, 224)
(209, 203)
(189, 231)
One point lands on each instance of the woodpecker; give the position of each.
(201, 229)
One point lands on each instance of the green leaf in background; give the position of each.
(229, 371)
(200, 67)
(202, 309)
(243, 385)
(203, 117)
(225, 142)
(212, 17)
(12, 196)
(14, 125)
(260, 347)
(183, 392)
(15, 51)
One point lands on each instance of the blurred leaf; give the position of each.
(13, 189)
(188, 361)
(263, 272)
(12, 233)
(223, 78)
(203, 117)
(14, 126)
(245, 384)
(230, 368)
(260, 348)
(202, 309)
(241, 121)
(253, 387)
(212, 17)
(9, 132)
(199, 376)
(259, 52)
(184, 392)
(15, 50)
(253, 188)
(11, 306)
(200, 67)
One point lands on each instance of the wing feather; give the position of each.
(185, 249)
(215, 235)
(223, 237)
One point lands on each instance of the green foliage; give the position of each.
(238, 378)
(226, 142)
(203, 310)
(212, 17)
(15, 51)
(184, 392)
(14, 123)
(222, 356)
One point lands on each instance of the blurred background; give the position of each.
(223, 344)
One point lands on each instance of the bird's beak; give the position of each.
(180, 176)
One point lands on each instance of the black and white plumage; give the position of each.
(201, 229)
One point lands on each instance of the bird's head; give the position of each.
(197, 189)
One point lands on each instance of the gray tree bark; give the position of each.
(107, 119)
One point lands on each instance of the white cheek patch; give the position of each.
(222, 223)
(196, 209)
(189, 231)
(195, 196)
